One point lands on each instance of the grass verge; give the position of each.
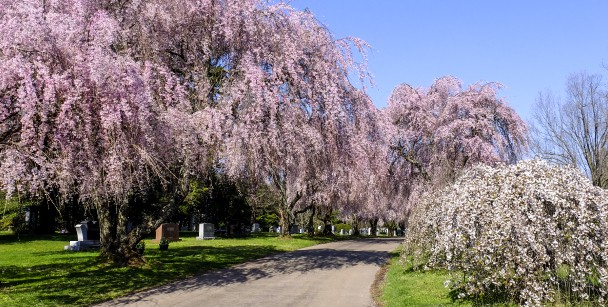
(36, 271)
(406, 287)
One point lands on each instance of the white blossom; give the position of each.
(512, 228)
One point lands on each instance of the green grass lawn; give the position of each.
(36, 271)
(406, 287)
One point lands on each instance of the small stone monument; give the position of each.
(87, 233)
(206, 231)
(168, 230)
(256, 227)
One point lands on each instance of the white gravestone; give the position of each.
(206, 231)
(81, 232)
(85, 239)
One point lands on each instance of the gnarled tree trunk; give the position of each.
(122, 225)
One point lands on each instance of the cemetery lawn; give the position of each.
(406, 287)
(36, 271)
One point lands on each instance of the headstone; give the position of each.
(350, 232)
(81, 232)
(333, 229)
(206, 231)
(342, 232)
(302, 230)
(256, 227)
(168, 230)
(87, 233)
(271, 229)
(279, 229)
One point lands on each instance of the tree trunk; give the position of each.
(284, 221)
(285, 206)
(107, 231)
(374, 227)
(310, 227)
(285, 212)
(326, 218)
(356, 226)
(115, 242)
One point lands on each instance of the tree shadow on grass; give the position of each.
(83, 281)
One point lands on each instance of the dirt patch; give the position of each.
(378, 283)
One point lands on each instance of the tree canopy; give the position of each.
(120, 105)
(574, 130)
(437, 132)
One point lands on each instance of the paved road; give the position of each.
(332, 274)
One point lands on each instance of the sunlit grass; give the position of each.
(36, 271)
(406, 287)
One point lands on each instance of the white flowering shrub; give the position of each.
(530, 232)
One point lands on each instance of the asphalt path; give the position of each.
(333, 274)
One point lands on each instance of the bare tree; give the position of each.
(575, 130)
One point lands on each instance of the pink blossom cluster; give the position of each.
(532, 230)
(436, 132)
(103, 100)
(446, 124)
(79, 117)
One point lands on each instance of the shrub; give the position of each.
(140, 245)
(12, 216)
(524, 232)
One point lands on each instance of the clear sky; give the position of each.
(528, 46)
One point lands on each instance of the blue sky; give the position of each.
(528, 46)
